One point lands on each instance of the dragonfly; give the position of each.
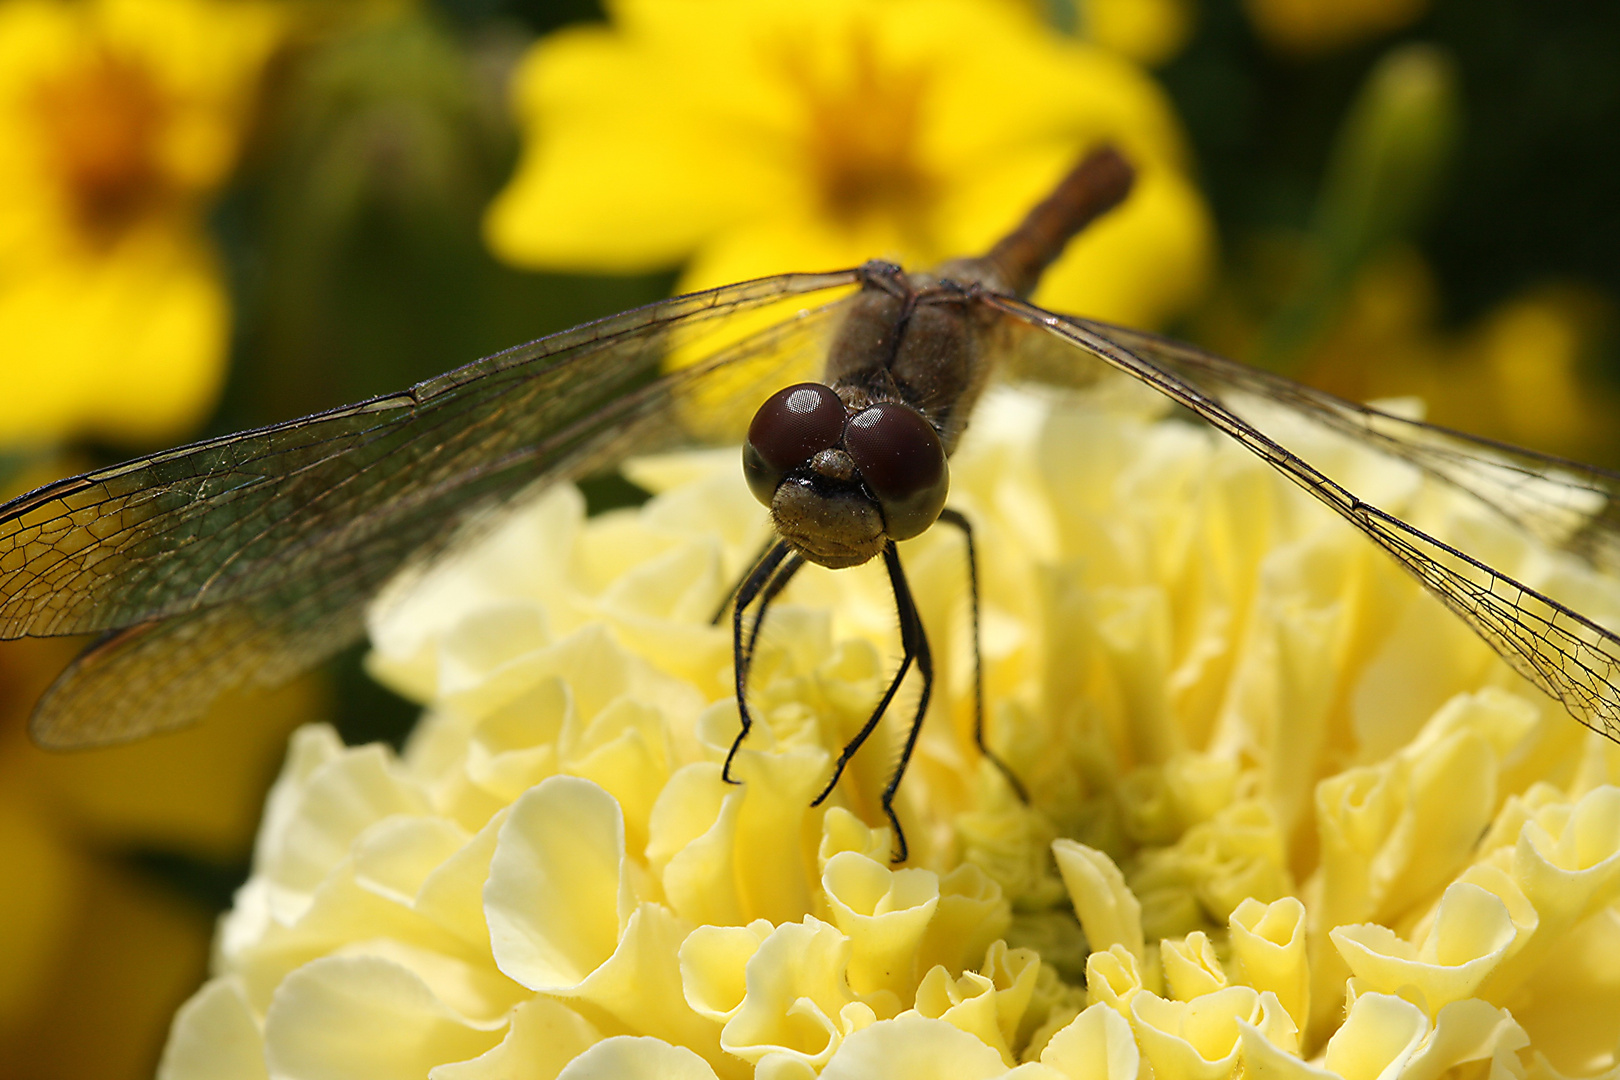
(240, 561)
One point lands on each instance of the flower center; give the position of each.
(861, 138)
(100, 121)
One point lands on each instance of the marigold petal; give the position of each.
(365, 1017)
(714, 967)
(544, 1036)
(452, 896)
(1106, 907)
(1113, 979)
(1471, 933)
(913, 1046)
(1575, 869)
(215, 1036)
(1096, 1045)
(1377, 1038)
(554, 900)
(625, 1057)
(797, 990)
(319, 810)
(1191, 968)
(1268, 951)
(885, 914)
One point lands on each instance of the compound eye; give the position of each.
(900, 457)
(793, 425)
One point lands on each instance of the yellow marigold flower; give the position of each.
(749, 137)
(1288, 816)
(118, 119)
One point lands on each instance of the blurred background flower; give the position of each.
(220, 213)
(769, 136)
(120, 120)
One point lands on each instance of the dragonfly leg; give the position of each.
(757, 582)
(911, 636)
(731, 593)
(773, 588)
(915, 641)
(956, 518)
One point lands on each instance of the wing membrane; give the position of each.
(250, 557)
(1566, 504)
(1568, 656)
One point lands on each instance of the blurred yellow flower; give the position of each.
(118, 121)
(1308, 27)
(1522, 372)
(1289, 817)
(1148, 31)
(748, 137)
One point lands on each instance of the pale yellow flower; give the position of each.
(119, 119)
(1288, 816)
(749, 137)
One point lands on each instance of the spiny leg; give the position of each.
(891, 559)
(914, 639)
(914, 646)
(757, 580)
(773, 588)
(764, 550)
(955, 517)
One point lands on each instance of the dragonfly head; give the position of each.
(840, 483)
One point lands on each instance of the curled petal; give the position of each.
(1096, 1045)
(1107, 908)
(1200, 1039)
(1191, 968)
(1113, 978)
(1264, 1058)
(1465, 1031)
(885, 914)
(323, 802)
(1268, 951)
(1472, 932)
(626, 749)
(797, 992)
(972, 913)
(714, 962)
(452, 896)
(990, 1003)
(843, 831)
(544, 1036)
(553, 900)
(395, 857)
(1571, 867)
(1377, 1039)
(692, 845)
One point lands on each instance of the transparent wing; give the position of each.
(1566, 655)
(249, 557)
(1565, 504)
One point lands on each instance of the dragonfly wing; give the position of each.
(165, 674)
(1565, 504)
(1568, 656)
(268, 544)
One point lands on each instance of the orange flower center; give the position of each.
(861, 142)
(100, 123)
